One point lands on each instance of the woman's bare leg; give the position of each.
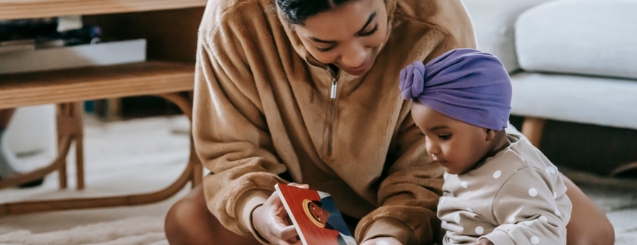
(589, 225)
(189, 222)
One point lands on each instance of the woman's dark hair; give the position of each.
(297, 11)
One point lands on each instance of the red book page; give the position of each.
(311, 231)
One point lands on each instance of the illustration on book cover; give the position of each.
(315, 216)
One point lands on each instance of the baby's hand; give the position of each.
(484, 241)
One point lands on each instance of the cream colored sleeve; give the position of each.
(410, 191)
(408, 195)
(526, 206)
(248, 203)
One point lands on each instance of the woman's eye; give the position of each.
(369, 33)
(324, 49)
(444, 136)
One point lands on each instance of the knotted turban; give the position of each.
(464, 84)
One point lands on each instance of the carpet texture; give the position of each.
(145, 155)
(132, 231)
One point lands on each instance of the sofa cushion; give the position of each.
(590, 37)
(493, 22)
(590, 100)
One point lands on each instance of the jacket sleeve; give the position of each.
(230, 133)
(526, 206)
(408, 195)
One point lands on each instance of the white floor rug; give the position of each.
(146, 155)
(125, 157)
(136, 230)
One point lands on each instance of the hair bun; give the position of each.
(412, 80)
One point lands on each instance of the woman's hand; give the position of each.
(271, 221)
(484, 241)
(382, 241)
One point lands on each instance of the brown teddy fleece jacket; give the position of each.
(263, 107)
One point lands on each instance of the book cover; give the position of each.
(315, 216)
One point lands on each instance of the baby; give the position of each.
(499, 189)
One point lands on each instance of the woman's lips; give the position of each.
(358, 70)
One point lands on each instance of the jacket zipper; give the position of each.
(332, 113)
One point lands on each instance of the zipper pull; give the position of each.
(334, 86)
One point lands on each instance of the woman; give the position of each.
(306, 91)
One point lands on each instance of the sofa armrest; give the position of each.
(493, 21)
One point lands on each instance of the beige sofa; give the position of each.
(569, 60)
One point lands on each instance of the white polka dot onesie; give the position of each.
(516, 197)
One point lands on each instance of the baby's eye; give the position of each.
(444, 136)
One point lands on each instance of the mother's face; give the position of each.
(348, 36)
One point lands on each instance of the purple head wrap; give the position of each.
(464, 84)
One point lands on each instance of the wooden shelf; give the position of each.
(100, 82)
(24, 9)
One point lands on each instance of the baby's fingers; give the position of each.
(297, 185)
(289, 234)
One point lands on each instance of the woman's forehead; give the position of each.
(343, 21)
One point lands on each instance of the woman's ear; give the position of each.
(490, 133)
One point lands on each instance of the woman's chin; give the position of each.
(358, 71)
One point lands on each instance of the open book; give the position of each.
(315, 216)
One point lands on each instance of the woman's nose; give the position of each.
(356, 56)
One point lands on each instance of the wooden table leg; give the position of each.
(69, 124)
(64, 146)
(184, 103)
(532, 128)
(62, 116)
(78, 112)
(192, 172)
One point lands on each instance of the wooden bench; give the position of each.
(168, 74)
(68, 88)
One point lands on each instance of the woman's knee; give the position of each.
(602, 234)
(181, 212)
(186, 218)
(606, 230)
(589, 224)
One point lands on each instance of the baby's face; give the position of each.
(456, 145)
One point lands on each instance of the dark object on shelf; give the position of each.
(44, 32)
(27, 28)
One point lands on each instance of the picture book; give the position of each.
(315, 216)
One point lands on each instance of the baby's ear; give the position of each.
(491, 134)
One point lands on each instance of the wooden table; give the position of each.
(170, 28)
